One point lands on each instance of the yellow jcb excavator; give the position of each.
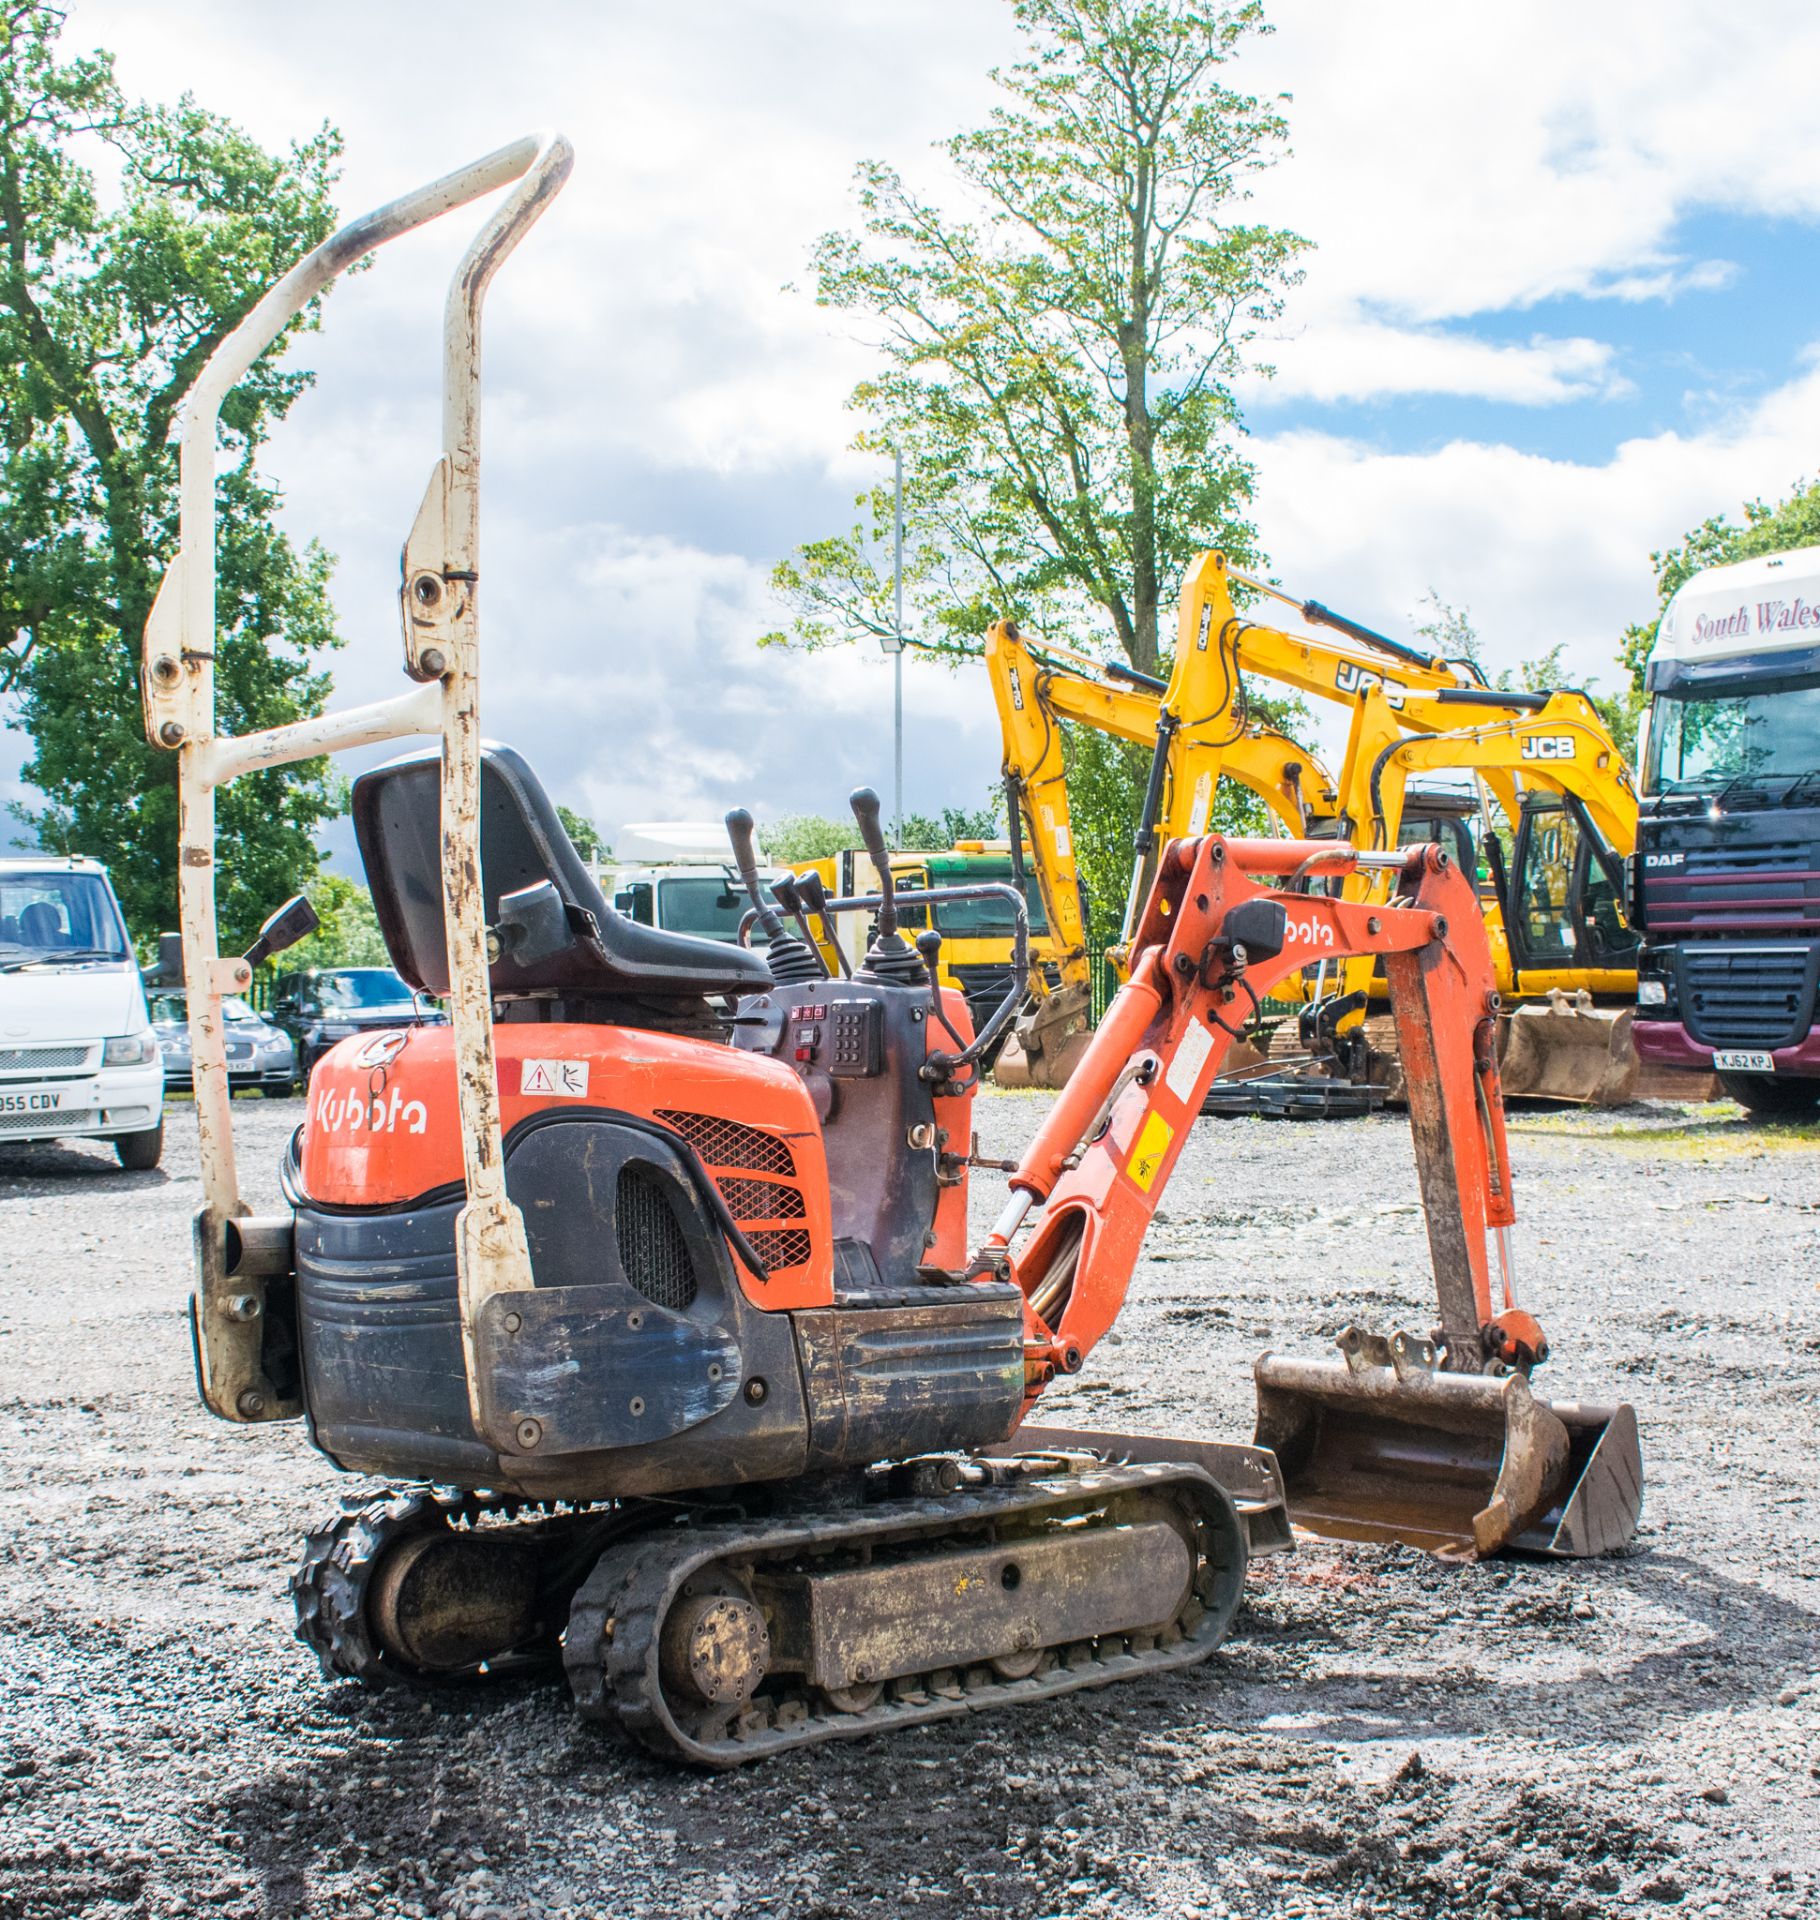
(1037, 687)
(1554, 912)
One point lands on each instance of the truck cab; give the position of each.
(78, 1056)
(677, 875)
(1725, 883)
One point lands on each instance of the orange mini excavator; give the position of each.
(646, 1283)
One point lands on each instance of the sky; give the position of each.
(1557, 311)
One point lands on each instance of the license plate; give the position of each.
(1737, 1060)
(45, 1101)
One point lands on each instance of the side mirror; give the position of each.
(533, 925)
(295, 920)
(170, 960)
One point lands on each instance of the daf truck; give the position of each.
(1725, 881)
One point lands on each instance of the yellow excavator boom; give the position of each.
(1412, 711)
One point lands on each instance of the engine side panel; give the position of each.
(382, 1127)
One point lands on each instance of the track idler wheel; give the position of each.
(391, 1590)
(716, 1649)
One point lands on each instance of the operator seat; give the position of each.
(398, 824)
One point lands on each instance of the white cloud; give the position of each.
(1668, 281)
(1539, 550)
(1364, 359)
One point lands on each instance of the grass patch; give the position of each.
(1718, 1129)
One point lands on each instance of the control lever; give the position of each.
(929, 945)
(814, 896)
(864, 803)
(745, 857)
(788, 895)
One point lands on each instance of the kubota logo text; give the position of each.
(1311, 932)
(384, 1113)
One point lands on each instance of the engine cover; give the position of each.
(383, 1129)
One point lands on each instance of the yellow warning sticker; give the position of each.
(1153, 1143)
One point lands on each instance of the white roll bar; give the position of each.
(442, 642)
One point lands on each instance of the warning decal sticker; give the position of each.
(1153, 1143)
(559, 1079)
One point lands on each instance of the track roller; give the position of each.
(721, 1644)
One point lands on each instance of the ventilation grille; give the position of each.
(43, 1059)
(725, 1143)
(781, 1247)
(60, 1118)
(1744, 997)
(761, 1200)
(1780, 853)
(652, 1250)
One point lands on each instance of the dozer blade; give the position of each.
(1461, 1465)
(1565, 1048)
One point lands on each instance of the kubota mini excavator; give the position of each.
(646, 1282)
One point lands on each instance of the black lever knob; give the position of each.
(745, 857)
(929, 945)
(864, 803)
(814, 896)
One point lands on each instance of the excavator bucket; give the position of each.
(1047, 1041)
(1565, 1048)
(1381, 1445)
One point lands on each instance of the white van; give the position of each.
(77, 1051)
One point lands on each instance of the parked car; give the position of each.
(326, 1004)
(259, 1054)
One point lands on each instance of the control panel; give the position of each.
(844, 1037)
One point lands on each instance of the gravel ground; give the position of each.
(1382, 1735)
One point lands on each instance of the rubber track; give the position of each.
(329, 1586)
(634, 1584)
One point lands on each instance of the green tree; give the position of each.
(1057, 369)
(586, 836)
(931, 832)
(109, 307)
(348, 935)
(794, 839)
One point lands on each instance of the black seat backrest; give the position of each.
(398, 823)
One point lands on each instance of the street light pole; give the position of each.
(895, 645)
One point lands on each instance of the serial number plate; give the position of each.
(45, 1102)
(1742, 1061)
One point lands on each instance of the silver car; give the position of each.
(259, 1054)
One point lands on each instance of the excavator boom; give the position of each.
(1442, 1444)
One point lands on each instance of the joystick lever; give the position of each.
(745, 857)
(788, 894)
(864, 803)
(814, 896)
